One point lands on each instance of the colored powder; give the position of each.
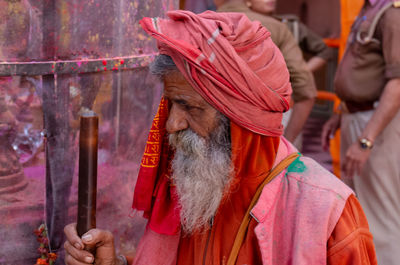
(296, 166)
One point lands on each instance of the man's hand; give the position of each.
(355, 160)
(101, 241)
(300, 113)
(329, 129)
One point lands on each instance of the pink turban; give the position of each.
(231, 62)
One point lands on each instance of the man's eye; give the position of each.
(184, 105)
(187, 107)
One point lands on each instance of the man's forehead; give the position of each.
(176, 86)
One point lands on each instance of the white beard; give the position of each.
(201, 170)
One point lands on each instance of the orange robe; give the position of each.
(349, 243)
(253, 155)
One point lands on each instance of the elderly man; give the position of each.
(218, 183)
(368, 83)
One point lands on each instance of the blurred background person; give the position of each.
(368, 83)
(304, 89)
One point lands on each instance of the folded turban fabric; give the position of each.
(231, 62)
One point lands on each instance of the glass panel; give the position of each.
(39, 115)
(22, 167)
(38, 30)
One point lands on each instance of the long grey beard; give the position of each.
(202, 169)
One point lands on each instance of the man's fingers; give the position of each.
(76, 256)
(72, 236)
(359, 167)
(357, 170)
(98, 237)
(350, 164)
(328, 131)
(69, 260)
(324, 135)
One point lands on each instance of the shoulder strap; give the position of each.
(247, 217)
(367, 39)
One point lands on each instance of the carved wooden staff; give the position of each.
(87, 188)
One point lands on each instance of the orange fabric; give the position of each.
(349, 11)
(253, 156)
(332, 42)
(351, 242)
(334, 142)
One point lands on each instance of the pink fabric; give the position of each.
(297, 213)
(230, 61)
(157, 249)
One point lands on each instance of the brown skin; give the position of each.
(315, 63)
(389, 106)
(266, 7)
(188, 110)
(101, 240)
(301, 110)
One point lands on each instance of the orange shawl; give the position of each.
(253, 156)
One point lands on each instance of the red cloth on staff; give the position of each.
(230, 61)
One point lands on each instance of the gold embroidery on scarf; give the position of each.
(152, 151)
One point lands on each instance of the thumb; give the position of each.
(98, 237)
(103, 243)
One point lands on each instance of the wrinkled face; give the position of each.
(202, 166)
(266, 7)
(188, 109)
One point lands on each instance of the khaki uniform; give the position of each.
(365, 69)
(309, 41)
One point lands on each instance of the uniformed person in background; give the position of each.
(368, 83)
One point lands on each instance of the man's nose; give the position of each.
(176, 120)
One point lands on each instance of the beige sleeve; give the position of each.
(301, 78)
(390, 42)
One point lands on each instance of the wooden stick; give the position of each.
(87, 188)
